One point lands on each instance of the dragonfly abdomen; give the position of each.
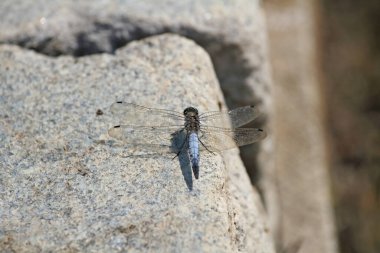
(194, 153)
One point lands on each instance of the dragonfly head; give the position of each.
(190, 111)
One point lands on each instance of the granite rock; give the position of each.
(66, 186)
(232, 32)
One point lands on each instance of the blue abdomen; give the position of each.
(194, 153)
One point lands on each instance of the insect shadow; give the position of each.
(179, 145)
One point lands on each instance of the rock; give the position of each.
(303, 207)
(66, 186)
(233, 33)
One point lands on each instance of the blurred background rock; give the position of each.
(341, 55)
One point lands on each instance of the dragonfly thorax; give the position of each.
(191, 119)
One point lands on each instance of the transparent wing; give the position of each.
(239, 117)
(219, 139)
(155, 139)
(132, 114)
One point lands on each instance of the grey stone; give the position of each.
(66, 186)
(232, 32)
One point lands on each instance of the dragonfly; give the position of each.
(167, 131)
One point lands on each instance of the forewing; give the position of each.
(155, 139)
(219, 139)
(238, 117)
(132, 114)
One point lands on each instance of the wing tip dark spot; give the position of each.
(99, 112)
(261, 130)
(251, 106)
(118, 126)
(119, 102)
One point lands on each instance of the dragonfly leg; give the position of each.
(205, 146)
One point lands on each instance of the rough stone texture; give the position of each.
(303, 207)
(232, 32)
(66, 187)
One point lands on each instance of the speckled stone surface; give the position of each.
(232, 32)
(65, 186)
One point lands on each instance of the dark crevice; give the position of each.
(107, 38)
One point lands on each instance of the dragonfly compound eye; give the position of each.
(190, 110)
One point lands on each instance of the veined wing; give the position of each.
(132, 114)
(219, 139)
(156, 139)
(238, 117)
